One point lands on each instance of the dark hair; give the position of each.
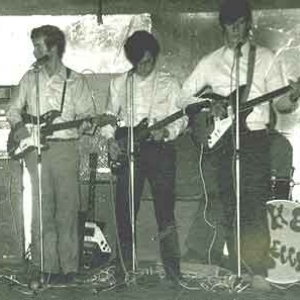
(53, 37)
(138, 43)
(231, 10)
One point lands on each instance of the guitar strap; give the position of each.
(250, 72)
(64, 90)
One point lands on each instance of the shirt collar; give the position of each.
(147, 80)
(245, 49)
(61, 73)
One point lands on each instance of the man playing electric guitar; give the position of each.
(154, 95)
(18, 145)
(261, 73)
(66, 91)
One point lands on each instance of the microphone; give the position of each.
(40, 61)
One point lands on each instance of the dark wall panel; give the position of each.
(11, 212)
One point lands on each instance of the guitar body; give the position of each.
(96, 250)
(17, 147)
(18, 150)
(223, 129)
(216, 129)
(140, 132)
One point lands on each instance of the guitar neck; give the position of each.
(66, 125)
(265, 98)
(166, 121)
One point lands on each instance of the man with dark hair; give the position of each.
(261, 73)
(52, 35)
(153, 95)
(137, 44)
(50, 86)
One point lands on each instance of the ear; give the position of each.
(53, 50)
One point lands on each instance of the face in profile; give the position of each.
(40, 48)
(236, 32)
(146, 65)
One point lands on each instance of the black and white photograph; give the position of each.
(150, 149)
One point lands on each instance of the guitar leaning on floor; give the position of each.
(217, 128)
(142, 132)
(96, 250)
(17, 149)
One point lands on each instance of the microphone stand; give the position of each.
(37, 69)
(131, 169)
(237, 156)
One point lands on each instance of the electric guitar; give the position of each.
(17, 148)
(142, 132)
(95, 246)
(220, 127)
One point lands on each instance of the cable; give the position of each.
(206, 204)
(112, 206)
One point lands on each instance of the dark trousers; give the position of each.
(201, 235)
(255, 191)
(219, 175)
(156, 162)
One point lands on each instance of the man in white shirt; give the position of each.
(152, 94)
(66, 92)
(218, 72)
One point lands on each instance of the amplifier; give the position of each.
(11, 212)
(4, 132)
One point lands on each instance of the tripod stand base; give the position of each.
(34, 285)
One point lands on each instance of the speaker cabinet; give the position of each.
(11, 212)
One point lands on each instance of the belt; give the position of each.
(62, 140)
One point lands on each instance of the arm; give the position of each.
(17, 102)
(84, 104)
(179, 125)
(112, 105)
(275, 79)
(15, 109)
(193, 84)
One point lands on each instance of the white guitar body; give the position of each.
(16, 146)
(93, 235)
(29, 143)
(220, 128)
